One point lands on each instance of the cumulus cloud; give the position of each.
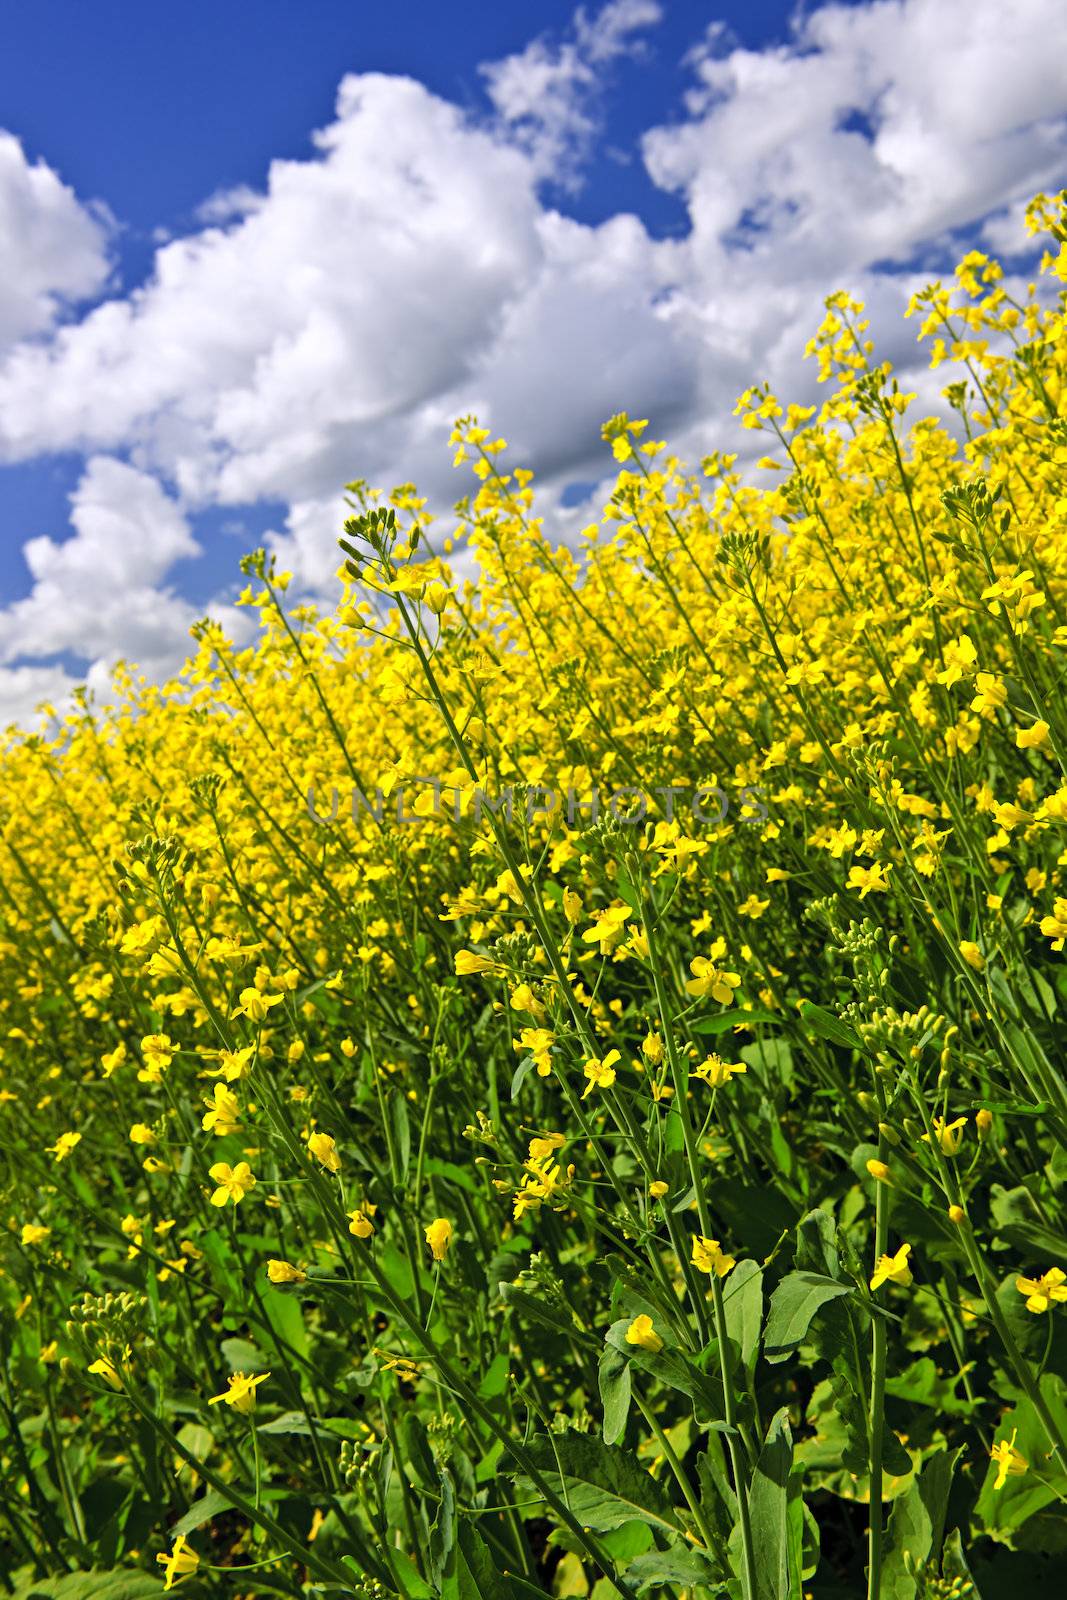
(55, 249)
(546, 96)
(23, 689)
(413, 270)
(878, 130)
(366, 281)
(101, 594)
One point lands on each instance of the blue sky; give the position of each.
(564, 213)
(153, 109)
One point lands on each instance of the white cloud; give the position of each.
(101, 595)
(777, 170)
(865, 141)
(334, 324)
(1004, 233)
(55, 249)
(367, 280)
(546, 95)
(23, 689)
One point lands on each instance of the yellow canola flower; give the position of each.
(708, 979)
(359, 1221)
(869, 880)
(1054, 926)
(538, 1043)
(1044, 1292)
(439, 1237)
(960, 658)
(542, 1145)
(64, 1146)
(232, 1183)
(642, 1334)
(1033, 738)
(102, 1368)
(113, 1060)
(223, 1114)
(281, 1272)
(1010, 1462)
(255, 1005)
(716, 1072)
(469, 962)
(240, 1392)
(608, 928)
(233, 1064)
(181, 1561)
(157, 1053)
(949, 1135)
(991, 696)
(33, 1233)
(600, 1073)
(709, 1257)
(324, 1148)
(893, 1269)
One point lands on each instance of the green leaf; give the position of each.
(924, 1385)
(757, 1213)
(917, 1526)
(495, 1379)
(954, 1565)
(776, 1514)
(836, 1456)
(671, 1368)
(419, 1456)
(443, 1531)
(209, 1505)
(397, 1271)
(401, 1130)
(771, 1059)
(413, 1587)
(435, 1167)
(742, 1295)
(241, 1355)
(1014, 1108)
(794, 1303)
(287, 1319)
(827, 1026)
(535, 1310)
(479, 1577)
(725, 1020)
(614, 1378)
(92, 1586)
(680, 1566)
(1001, 1511)
(288, 1422)
(817, 1244)
(1019, 1223)
(603, 1487)
(520, 1075)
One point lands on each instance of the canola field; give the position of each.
(555, 1085)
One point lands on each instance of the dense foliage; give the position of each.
(456, 1185)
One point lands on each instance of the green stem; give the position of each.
(878, 1368)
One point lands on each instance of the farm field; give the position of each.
(554, 1085)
